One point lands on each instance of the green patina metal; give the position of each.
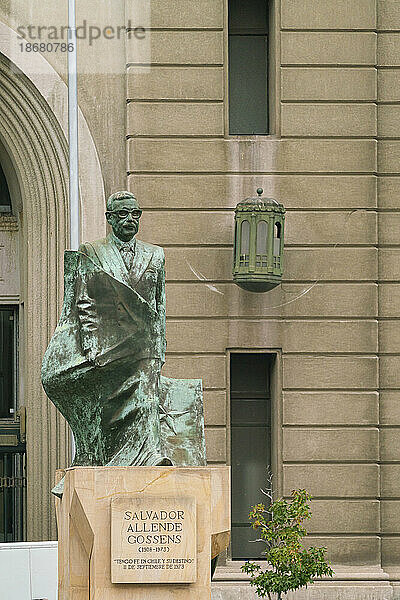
(102, 366)
(182, 421)
(259, 242)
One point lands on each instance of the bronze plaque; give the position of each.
(153, 540)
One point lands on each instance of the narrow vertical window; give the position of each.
(250, 445)
(248, 67)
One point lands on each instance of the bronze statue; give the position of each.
(131, 413)
(102, 366)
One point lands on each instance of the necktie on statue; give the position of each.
(127, 253)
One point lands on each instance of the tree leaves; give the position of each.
(290, 565)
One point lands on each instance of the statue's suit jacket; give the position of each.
(140, 301)
(112, 404)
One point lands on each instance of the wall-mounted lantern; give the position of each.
(258, 249)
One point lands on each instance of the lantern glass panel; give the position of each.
(262, 239)
(237, 225)
(277, 239)
(262, 233)
(245, 244)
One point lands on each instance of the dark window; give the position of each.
(5, 199)
(248, 66)
(7, 362)
(12, 457)
(12, 493)
(250, 445)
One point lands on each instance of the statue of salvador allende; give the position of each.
(102, 366)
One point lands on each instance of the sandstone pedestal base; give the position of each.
(132, 502)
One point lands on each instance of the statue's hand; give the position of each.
(91, 355)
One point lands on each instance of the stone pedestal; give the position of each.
(122, 523)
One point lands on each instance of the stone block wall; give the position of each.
(333, 161)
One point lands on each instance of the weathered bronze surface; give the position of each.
(102, 366)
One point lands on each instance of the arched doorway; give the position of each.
(34, 157)
(12, 437)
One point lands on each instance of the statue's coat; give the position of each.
(105, 403)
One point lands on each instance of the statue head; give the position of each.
(123, 214)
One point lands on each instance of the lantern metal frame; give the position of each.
(253, 270)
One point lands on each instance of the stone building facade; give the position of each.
(158, 124)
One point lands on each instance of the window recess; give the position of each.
(248, 67)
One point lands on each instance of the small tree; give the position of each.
(291, 565)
